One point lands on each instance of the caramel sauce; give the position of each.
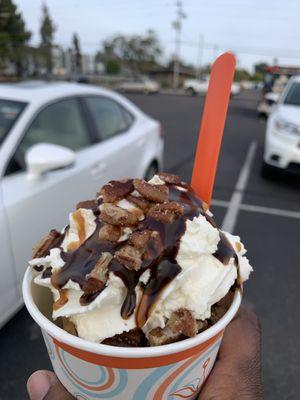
(80, 226)
(63, 299)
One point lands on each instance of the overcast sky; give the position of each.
(256, 30)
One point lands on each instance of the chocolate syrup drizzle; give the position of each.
(159, 256)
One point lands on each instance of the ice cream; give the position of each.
(144, 263)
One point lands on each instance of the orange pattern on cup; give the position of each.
(135, 362)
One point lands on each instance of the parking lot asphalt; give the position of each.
(266, 214)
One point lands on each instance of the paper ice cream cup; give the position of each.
(96, 371)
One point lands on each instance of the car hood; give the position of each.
(289, 113)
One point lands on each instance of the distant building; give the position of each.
(164, 75)
(87, 64)
(58, 61)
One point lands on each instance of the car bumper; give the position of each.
(282, 150)
(264, 108)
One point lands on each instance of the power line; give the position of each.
(177, 25)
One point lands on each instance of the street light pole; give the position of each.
(199, 56)
(177, 25)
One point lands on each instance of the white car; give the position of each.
(139, 85)
(266, 104)
(282, 144)
(193, 87)
(59, 143)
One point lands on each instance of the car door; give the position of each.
(9, 295)
(8, 282)
(120, 136)
(35, 207)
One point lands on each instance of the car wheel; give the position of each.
(262, 115)
(190, 91)
(151, 171)
(267, 172)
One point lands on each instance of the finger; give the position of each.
(237, 372)
(44, 385)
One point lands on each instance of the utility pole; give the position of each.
(199, 56)
(177, 25)
(215, 52)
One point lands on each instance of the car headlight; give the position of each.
(285, 126)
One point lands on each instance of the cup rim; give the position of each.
(97, 348)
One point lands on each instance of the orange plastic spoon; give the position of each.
(212, 126)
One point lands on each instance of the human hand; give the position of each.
(44, 385)
(236, 374)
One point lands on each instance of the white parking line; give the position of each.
(259, 209)
(237, 196)
(272, 211)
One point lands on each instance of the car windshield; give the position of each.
(293, 95)
(9, 113)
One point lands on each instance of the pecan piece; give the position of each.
(92, 285)
(44, 245)
(140, 202)
(129, 256)
(154, 247)
(139, 239)
(116, 190)
(100, 270)
(159, 336)
(89, 204)
(182, 321)
(166, 212)
(131, 338)
(156, 193)
(202, 325)
(169, 178)
(109, 232)
(115, 215)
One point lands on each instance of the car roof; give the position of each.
(40, 92)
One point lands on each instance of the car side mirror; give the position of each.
(44, 157)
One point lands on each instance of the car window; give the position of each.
(293, 95)
(109, 116)
(59, 123)
(9, 113)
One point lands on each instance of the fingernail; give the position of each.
(38, 385)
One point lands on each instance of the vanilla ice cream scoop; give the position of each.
(142, 263)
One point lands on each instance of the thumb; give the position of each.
(44, 385)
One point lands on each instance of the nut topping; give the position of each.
(116, 190)
(118, 216)
(139, 239)
(140, 202)
(43, 246)
(111, 233)
(129, 256)
(100, 270)
(169, 178)
(156, 193)
(166, 212)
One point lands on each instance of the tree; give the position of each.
(241, 75)
(77, 53)
(13, 35)
(261, 68)
(135, 50)
(112, 67)
(47, 30)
